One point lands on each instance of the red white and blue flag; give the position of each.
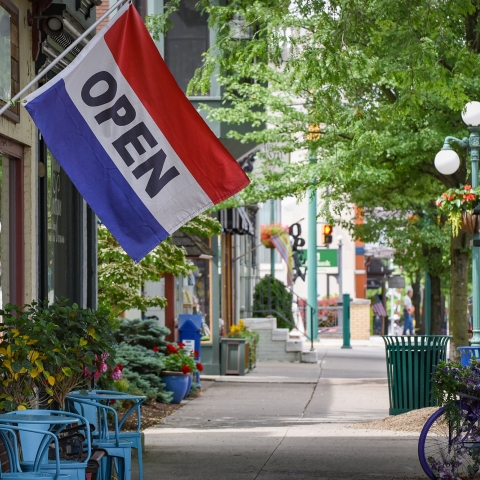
(129, 139)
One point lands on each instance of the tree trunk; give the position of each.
(436, 305)
(416, 298)
(457, 317)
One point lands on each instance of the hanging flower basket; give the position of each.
(470, 223)
(457, 204)
(269, 231)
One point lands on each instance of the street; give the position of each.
(286, 420)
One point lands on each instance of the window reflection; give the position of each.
(5, 55)
(196, 293)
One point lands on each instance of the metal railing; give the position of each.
(291, 310)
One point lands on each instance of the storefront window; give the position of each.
(186, 41)
(12, 257)
(9, 56)
(65, 236)
(5, 55)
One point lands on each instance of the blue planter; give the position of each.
(177, 383)
(189, 385)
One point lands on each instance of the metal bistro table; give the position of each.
(35, 443)
(95, 406)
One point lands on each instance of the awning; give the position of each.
(235, 220)
(193, 244)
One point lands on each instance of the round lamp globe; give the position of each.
(447, 162)
(471, 114)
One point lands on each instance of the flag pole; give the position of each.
(63, 54)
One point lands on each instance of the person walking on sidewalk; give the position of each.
(407, 313)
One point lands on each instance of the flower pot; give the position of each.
(177, 383)
(189, 385)
(470, 223)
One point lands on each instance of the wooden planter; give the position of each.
(470, 223)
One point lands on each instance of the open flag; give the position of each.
(129, 139)
(281, 241)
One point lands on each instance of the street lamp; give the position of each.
(447, 163)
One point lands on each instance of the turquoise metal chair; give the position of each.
(116, 448)
(135, 437)
(8, 435)
(32, 443)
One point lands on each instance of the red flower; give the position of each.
(467, 187)
(196, 354)
(181, 345)
(171, 348)
(120, 366)
(155, 348)
(199, 367)
(186, 369)
(439, 204)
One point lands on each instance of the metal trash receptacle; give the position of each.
(411, 361)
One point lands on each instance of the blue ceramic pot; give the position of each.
(177, 383)
(189, 385)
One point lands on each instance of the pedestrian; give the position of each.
(407, 312)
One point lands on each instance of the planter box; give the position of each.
(234, 356)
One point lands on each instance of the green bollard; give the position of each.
(346, 321)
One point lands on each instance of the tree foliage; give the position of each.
(380, 83)
(120, 279)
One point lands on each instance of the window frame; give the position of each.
(13, 112)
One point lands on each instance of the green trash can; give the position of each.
(411, 361)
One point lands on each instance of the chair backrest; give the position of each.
(84, 406)
(135, 408)
(9, 439)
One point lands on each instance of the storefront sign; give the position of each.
(327, 260)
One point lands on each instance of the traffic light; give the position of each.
(327, 234)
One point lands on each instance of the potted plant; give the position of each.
(457, 204)
(242, 331)
(269, 231)
(179, 368)
(66, 342)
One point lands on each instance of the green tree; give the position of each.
(384, 82)
(120, 279)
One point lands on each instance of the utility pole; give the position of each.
(272, 250)
(312, 323)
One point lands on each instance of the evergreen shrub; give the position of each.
(141, 352)
(272, 297)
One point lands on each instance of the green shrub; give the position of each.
(147, 333)
(141, 369)
(272, 297)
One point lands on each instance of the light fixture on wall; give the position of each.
(53, 25)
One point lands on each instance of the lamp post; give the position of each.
(447, 163)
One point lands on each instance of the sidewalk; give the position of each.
(286, 421)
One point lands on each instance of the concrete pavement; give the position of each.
(286, 420)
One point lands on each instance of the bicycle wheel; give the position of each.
(448, 451)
